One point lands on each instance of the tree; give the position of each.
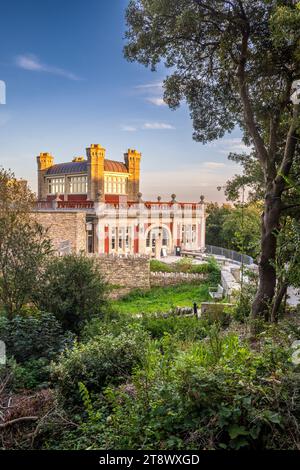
(23, 244)
(242, 229)
(216, 215)
(234, 62)
(73, 289)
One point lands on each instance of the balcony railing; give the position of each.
(58, 205)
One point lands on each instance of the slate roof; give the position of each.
(81, 167)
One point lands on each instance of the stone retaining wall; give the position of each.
(168, 279)
(127, 272)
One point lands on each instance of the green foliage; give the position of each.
(186, 265)
(242, 307)
(103, 359)
(213, 394)
(28, 375)
(159, 266)
(216, 215)
(33, 337)
(242, 228)
(162, 299)
(73, 289)
(182, 328)
(23, 247)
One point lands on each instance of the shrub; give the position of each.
(211, 268)
(30, 375)
(183, 328)
(73, 289)
(33, 337)
(102, 360)
(184, 265)
(159, 266)
(214, 395)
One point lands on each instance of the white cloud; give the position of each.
(157, 126)
(32, 63)
(156, 101)
(149, 85)
(152, 92)
(213, 165)
(128, 128)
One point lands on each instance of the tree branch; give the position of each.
(289, 150)
(17, 420)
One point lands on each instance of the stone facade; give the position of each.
(67, 230)
(130, 272)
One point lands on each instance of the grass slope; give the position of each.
(162, 299)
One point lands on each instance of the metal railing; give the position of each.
(230, 254)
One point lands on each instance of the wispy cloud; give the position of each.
(157, 126)
(151, 92)
(156, 101)
(148, 126)
(213, 165)
(128, 128)
(148, 86)
(32, 63)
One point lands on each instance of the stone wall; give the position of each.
(230, 285)
(169, 279)
(127, 272)
(67, 229)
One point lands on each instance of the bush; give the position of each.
(33, 337)
(30, 375)
(183, 328)
(214, 395)
(185, 265)
(102, 360)
(159, 266)
(73, 289)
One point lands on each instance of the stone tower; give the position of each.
(95, 156)
(132, 160)
(44, 161)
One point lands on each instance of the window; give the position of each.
(128, 238)
(113, 238)
(194, 233)
(78, 184)
(56, 185)
(121, 236)
(115, 184)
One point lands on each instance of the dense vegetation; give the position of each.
(234, 227)
(159, 383)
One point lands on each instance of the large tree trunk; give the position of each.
(262, 305)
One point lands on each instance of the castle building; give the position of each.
(94, 204)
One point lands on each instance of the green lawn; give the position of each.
(162, 299)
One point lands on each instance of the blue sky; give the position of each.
(68, 86)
